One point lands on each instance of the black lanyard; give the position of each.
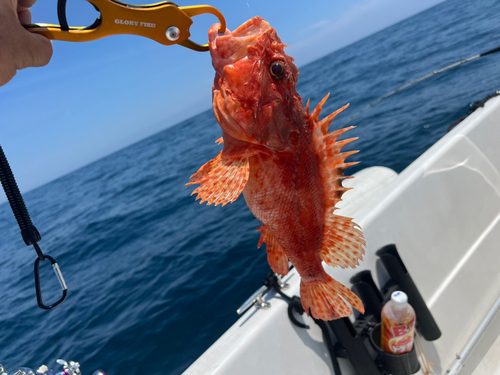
(30, 234)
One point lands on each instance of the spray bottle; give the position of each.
(398, 324)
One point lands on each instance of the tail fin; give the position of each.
(325, 302)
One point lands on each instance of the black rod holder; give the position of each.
(357, 341)
(364, 286)
(391, 260)
(352, 345)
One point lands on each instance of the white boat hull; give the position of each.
(443, 214)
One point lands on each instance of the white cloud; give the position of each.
(317, 25)
(358, 22)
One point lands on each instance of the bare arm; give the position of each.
(19, 48)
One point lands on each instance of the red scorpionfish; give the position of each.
(285, 162)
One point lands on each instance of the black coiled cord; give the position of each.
(28, 231)
(30, 234)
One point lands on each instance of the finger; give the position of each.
(36, 51)
(24, 16)
(26, 3)
(7, 72)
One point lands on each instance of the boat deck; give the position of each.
(443, 214)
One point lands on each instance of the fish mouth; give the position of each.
(226, 50)
(230, 47)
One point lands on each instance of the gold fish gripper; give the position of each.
(165, 23)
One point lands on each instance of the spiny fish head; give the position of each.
(254, 95)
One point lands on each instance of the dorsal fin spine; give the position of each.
(343, 243)
(328, 143)
(319, 107)
(325, 123)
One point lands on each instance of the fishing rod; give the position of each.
(494, 50)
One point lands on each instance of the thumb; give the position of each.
(34, 51)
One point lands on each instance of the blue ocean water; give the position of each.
(154, 277)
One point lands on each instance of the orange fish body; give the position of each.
(285, 162)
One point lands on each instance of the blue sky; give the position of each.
(97, 97)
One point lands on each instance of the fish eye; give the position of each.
(277, 69)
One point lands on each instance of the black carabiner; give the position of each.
(28, 231)
(59, 276)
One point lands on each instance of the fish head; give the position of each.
(254, 93)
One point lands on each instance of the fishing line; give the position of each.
(494, 50)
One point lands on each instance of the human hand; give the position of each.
(19, 48)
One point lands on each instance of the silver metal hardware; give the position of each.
(59, 276)
(71, 368)
(261, 304)
(461, 358)
(257, 298)
(282, 284)
(251, 300)
(173, 33)
(24, 371)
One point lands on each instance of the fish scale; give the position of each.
(284, 161)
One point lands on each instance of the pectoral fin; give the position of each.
(222, 179)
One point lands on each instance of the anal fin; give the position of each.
(222, 179)
(276, 256)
